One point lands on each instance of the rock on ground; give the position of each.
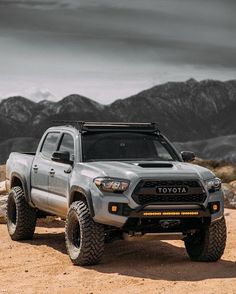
(2, 187)
(3, 205)
(3, 201)
(229, 195)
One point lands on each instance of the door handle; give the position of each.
(35, 168)
(52, 172)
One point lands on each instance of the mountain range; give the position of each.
(188, 111)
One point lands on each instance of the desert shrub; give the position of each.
(224, 170)
(226, 173)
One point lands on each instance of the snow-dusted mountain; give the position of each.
(38, 94)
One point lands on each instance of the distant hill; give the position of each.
(220, 148)
(185, 111)
(22, 144)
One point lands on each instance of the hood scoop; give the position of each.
(154, 165)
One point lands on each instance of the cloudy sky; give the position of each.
(109, 49)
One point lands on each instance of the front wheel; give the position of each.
(84, 237)
(209, 243)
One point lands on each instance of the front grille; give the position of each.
(145, 199)
(179, 183)
(146, 192)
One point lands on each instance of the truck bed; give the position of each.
(19, 163)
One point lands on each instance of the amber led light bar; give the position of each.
(169, 213)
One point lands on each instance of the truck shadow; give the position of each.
(53, 240)
(159, 260)
(156, 260)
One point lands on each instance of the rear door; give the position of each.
(41, 169)
(59, 178)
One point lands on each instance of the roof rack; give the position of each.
(83, 126)
(74, 123)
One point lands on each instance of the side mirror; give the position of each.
(63, 157)
(187, 156)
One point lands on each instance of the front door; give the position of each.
(41, 170)
(59, 178)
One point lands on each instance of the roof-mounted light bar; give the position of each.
(96, 126)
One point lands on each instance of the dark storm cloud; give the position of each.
(175, 37)
(29, 3)
(107, 37)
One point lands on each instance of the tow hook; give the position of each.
(169, 223)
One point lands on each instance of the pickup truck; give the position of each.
(112, 181)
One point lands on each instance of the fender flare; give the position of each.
(86, 194)
(24, 186)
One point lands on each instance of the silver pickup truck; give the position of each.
(115, 181)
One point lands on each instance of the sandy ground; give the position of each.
(42, 266)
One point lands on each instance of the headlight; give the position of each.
(111, 184)
(213, 185)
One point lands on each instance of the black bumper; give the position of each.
(170, 212)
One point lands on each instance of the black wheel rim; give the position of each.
(11, 212)
(75, 232)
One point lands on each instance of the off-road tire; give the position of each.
(209, 243)
(21, 218)
(84, 237)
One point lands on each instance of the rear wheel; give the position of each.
(84, 237)
(209, 243)
(21, 218)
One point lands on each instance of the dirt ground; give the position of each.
(42, 266)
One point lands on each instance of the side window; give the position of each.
(67, 144)
(50, 144)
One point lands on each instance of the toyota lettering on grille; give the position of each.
(172, 190)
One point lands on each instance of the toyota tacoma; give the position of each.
(114, 181)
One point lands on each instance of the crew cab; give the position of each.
(115, 181)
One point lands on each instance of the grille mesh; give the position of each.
(145, 199)
(145, 192)
(179, 183)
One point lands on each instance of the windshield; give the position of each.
(125, 146)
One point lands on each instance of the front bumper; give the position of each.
(127, 210)
(123, 212)
(158, 211)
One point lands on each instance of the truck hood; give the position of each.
(146, 169)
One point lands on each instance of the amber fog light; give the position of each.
(215, 207)
(115, 208)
